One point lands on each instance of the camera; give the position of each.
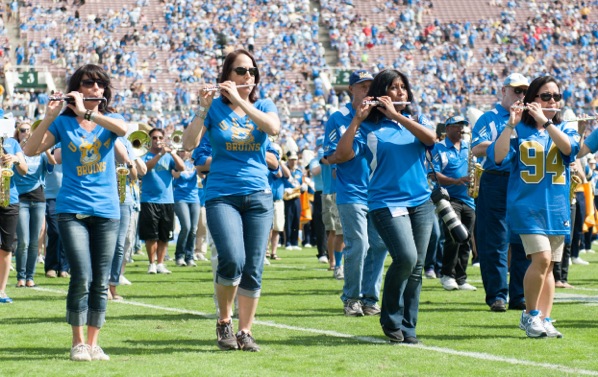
(444, 210)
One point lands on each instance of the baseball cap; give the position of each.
(360, 76)
(292, 155)
(516, 79)
(456, 120)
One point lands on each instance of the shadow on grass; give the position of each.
(33, 353)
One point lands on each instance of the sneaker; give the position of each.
(395, 336)
(323, 259)
(353, 308)
(476, 264)
(370, 309)
(266, 261)
(4, 299)
(532, 324)
(51, 274)
(289, 248)
(41, 259)
(122, 280)
(339, 273)
(430, 274)
(226, 336)
(80, 352)
(449, 283)
(296, 248)
(467, 287)
(591, 251)
(181, 262)
(64, 274)
(551, 332)
(411, 340)
(579, 261)
(161, 269)
(246, 342)
(152, 269)
(191, 263)
(582, 251)
(97, 353)
(498, 306)
(307, 245)
(201, 257)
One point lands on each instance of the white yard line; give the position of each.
(366, 339)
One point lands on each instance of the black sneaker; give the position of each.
(246, 342)
(395, 336)
(226, 336)
(498, 306)
(517, 306)
(411, 340)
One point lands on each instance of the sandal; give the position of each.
(30, 284)
(275, 257)
(21, 284)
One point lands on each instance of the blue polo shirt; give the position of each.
(453, 163)
(488, 128)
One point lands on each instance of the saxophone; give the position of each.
(6, 174)
(474, 170)
(122, 172)
(575, 181)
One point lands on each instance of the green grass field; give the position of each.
(166, 327)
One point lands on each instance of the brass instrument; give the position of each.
(575, 181)
(474, 170)
(176, 140)
(294, 193)
(122, 172)
(141, 142)
(6, 174)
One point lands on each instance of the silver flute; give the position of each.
(527, 108)
(72, 99)
(378, 103)
(217, 88)
(581, 119)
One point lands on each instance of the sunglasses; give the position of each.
(157, 137)
(88, 83)
(242, 71)
(547, 96)
(519, 91)
(23, 130)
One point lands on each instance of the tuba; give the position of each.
(141, 142)
(474, 170)
(121, 173)
(6, 174)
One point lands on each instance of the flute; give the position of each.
(217, 88)
(581, 119)
(378, 103)
(526, 108)
(72, 100)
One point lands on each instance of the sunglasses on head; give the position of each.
(88, 83)
(242, 71)
(519, 91)
(547, 96)
(157, 137)
(23, 130)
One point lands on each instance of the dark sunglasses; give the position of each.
(519, 91)
(23, 130)
(89, 83)
(157, 137)
(547, 96)
(242, 71)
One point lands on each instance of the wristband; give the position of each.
(548, 123)
(202, 115)
(87, 115)
(508, 125)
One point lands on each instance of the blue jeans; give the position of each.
(89, 244)
(188, 215)
(364, 255)
(119, 251)
(55, 257)
(240, 226)
(435, 248)
(31, 219)
(407, 239)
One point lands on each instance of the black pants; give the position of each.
(318, 225)
(455, 255)
(292, 213)
(561, 269)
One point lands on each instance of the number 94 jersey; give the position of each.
(538, 199)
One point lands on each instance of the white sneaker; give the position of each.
(80, 352)
(122, 280)
(40, 259)
(181, 262)
(449, 283)
(323, 259)
(339, 273)
(296, 247)
(467, 287)
(582, 251)
(97, 353)
(289, 248)
(477, 264)
(430, 274)
(591, 251)
(532, 324)
(307, 245)
(266, 261)
(191, 263)
(161, 269)
(551, 332)
(152, 269)
(579, 261)
(201, 257)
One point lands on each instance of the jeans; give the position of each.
(89, 244)
(435, 248)
(119, 250)
(364, 255)
(456, 255)
(407, 238)
(240, 226)
(55, 257)
(31, 219)
(292, 212)
(188, 215)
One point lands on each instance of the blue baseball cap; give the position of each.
(457, 120)
(360, 76)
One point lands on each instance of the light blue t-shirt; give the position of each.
(488, 128)
(317, 179)
(538, 191)
(34, 178)
(453, 163)
(52, 178)
(238, 151)
(11, 146)
(185, 187)
(592, 141)
(396, 158)
(156, 186)
(89, 170)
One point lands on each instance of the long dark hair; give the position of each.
(227, 69)
(93, 72)
(379, 88)
(531, 94)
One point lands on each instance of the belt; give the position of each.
(497, 172)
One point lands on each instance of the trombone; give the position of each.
(141, 142)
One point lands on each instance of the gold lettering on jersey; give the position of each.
(243, 147)
(223, 125)
(91, 169)
(107, 143)
(72, 147)
(90, 158)
(242, 139)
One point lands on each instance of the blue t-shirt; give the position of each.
(238, 151)
(453, 163)
(156, 186)
(317, 178)
(538, 192)
(352, 176)
(488, 128)
(34, 178)
(52, 178)
(277, 185)
(185, 186)
(202, 151)
(11, 146)
(592, 141)
(396, 158)
(88, 167)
